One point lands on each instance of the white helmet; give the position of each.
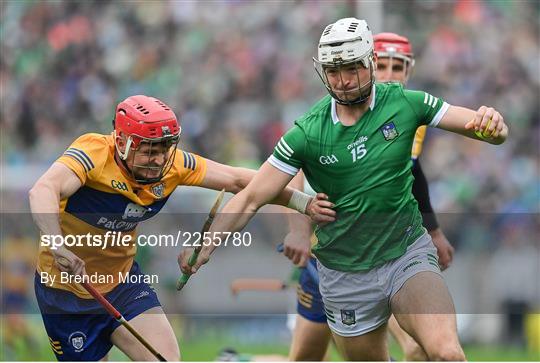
(347, 41)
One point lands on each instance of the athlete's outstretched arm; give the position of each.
(267, 184)
(220, 176)
(234, 179)
(59, 182)
(465, 121)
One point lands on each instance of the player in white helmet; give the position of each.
(354, 145)
(395, 62)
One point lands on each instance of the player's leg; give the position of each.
(156, 329)
(311, 335)
(357, 310)
(76, 328)
(421, 302)
(366, 347)
(139, 304)
(424, 308)
(410, 348)
(310, 340)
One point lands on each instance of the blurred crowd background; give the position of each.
(238, 73)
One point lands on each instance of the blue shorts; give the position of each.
(309, 300)
(80, 329)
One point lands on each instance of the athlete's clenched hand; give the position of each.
(320, 210)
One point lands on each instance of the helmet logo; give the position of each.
(166, 131)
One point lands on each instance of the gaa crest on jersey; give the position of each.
(389, 131)
(159, 190)
(348, 317)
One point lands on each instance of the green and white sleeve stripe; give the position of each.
(283, 158)
(284, 167)
(433, 102)
(283, 149)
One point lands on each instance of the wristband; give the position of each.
(299, 201)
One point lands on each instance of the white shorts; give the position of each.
(358, 302)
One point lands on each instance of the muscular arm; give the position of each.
(267, 184)
(464, 121)
(57, 183)
(233, 179)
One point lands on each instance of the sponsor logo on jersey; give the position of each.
(77, 340)
(359, 141)
(389, 131)
(115, 224)
(328, 159)
(134, 211)
(348, 317)
(159, 190)
(119, 185)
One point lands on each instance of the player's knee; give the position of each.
(414, 352)
(448, 352)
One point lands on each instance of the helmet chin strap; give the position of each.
(123, 155)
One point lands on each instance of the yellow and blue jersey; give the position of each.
(109, 200)
(418, 142)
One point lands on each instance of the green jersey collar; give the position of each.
(335, 118)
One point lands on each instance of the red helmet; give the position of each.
(142, 119)
(392, 45)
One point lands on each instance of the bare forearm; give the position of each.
(244, 177)
(235, 215)
(485, 124)
(44, 204)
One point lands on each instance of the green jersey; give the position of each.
(365, 169)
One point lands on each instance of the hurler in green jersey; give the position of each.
(354, 146)
(365, 169)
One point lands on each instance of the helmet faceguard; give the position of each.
(149, 132)
(346, 45)
(394, 46)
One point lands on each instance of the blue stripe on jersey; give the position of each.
(189, 161)
(84, 156)
(77, 157)
(110, 211)
(185, 159)
(193, 162)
